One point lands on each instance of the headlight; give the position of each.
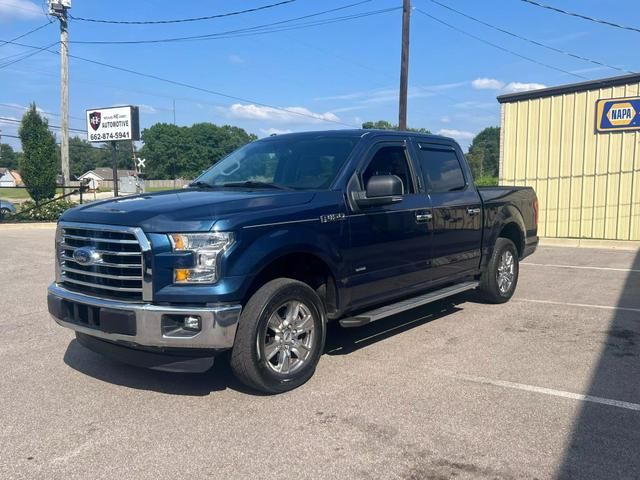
(207, 249)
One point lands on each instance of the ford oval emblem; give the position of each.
(86, 256)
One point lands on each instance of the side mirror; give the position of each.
(381, 190)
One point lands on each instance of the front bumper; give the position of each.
(141, 323)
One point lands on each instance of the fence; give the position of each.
(149, 184)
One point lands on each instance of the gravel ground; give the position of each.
(545, 386)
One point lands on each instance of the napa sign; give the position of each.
(618, 114)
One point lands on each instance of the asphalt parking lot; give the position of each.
(546, 386)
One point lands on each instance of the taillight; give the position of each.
(535, 212)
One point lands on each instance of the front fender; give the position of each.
(258, 247)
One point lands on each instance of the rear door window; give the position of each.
(441, 169)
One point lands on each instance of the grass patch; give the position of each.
(20, 193)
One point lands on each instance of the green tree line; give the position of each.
(173, 151)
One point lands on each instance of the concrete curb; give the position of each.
(27, 226)
(590, 243)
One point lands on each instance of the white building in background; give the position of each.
(7, 179)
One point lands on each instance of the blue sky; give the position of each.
(335, 74)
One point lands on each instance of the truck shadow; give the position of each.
(343, 341)
(218, 378)
(605, 441)
(340, 341)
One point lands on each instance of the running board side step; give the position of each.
(394, 308)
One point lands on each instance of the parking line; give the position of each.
(548, 391)
(584, 305)
(612, 269)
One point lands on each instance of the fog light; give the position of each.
(192, 323)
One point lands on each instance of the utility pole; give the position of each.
(58, 8)
(404, 65)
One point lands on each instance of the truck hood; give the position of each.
(189, 210)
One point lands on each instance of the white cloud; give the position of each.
(251, 111)
(445, 119)
(19, 10)
(274, 131)
(236, 59)
(147, 109)
(487, 84)
(514, 87)
(457, 134)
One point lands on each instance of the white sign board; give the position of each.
(114, 123)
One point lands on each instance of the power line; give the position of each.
(24, 56)
(71, 145)
(539, 44)
(584, 17)
(55, 127)
(499, 47)
(27, 33)
(257, 29)
(180, 20)
(24, 109)
(193, 87)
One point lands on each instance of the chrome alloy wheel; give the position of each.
(506, 271)
(289, 338)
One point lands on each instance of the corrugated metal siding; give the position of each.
(588, 184)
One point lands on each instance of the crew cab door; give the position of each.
(390, 251)
(456, 208)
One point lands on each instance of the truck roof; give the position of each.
(362, 132)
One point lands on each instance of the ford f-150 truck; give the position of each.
(279, 238)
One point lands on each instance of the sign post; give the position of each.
(111, 125)
(114, 165)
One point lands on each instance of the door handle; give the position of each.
(473, 211)
(423, 217)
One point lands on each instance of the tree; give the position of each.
(384, 125)
(8, 157)
(484, 153)
(39, 164)
(85, 156)
(184, 152)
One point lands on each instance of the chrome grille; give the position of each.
(119, 270)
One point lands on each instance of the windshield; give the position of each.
(300, 163)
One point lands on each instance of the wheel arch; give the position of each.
(302, 265)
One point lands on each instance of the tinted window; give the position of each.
(292, 161)
(441, 170)
(390, 161)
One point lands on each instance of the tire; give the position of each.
(498, 283)
(5, 211)
(267, 336)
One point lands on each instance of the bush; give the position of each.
(486, 181)
(49, 212)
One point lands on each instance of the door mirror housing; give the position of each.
(381, 190)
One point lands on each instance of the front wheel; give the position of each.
(498, 282)
(280, 337)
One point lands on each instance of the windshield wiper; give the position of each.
(253, 184)
(201, 184)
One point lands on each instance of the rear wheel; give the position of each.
(280, 337)
(499, 281)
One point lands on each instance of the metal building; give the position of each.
(578, 145)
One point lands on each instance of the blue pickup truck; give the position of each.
(276, 240)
